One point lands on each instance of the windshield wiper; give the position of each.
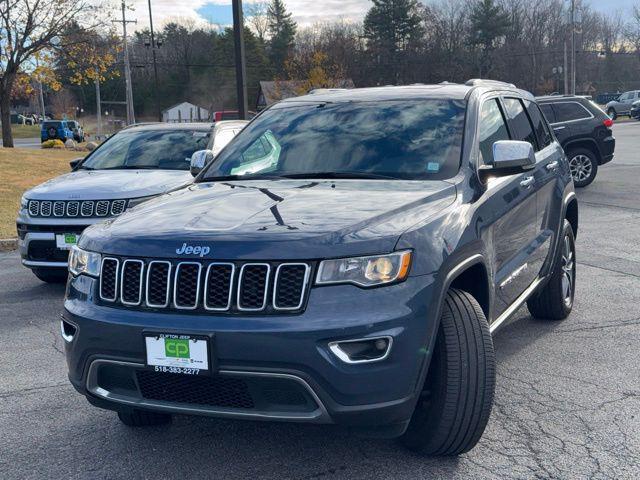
(332, 175)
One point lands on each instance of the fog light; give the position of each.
(363, 350)
(67, 330)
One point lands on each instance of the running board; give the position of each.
(524, 296)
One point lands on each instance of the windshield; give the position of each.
(46, 125)
(408, 139)
(156, 149)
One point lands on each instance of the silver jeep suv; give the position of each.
(136, 164)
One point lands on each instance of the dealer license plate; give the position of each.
(65, 241)
(175, 353)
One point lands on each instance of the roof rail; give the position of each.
(325, 90)
(477, 82)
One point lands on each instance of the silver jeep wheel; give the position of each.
(568, 272)
(581, 167)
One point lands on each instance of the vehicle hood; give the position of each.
(294, 219)
(109, 184)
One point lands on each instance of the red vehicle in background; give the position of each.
(230, 115)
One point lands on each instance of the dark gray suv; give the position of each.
(345, 259)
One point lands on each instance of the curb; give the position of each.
(8, 244)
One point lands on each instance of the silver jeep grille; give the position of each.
(74, 208)
(205, 286)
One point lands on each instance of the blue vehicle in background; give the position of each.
(55, 130)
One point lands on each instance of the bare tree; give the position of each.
(256, 17)
(27, 28)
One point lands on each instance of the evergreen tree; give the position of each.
(393, 29)
(489, 23)
(282, 30)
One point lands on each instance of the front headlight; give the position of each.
(365, 271)
(24, 203)
(82, 261)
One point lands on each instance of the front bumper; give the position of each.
(37, 239)
(106, 352)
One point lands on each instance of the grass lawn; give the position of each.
(25, 131)
(21, 169)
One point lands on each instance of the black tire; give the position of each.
(143, 418)
(612, 113)
(457, 397)
(584, 166)
(555, 301)
(51, 275)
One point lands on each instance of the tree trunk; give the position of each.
(5, 118)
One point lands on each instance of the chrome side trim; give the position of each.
(122, 270)
(515, 305)
(65, 337)
(206, 286)
(167, 294)
(115, 288)
(319, 415)
(338, 352)
(175, 286)
(307, 273)
(34, 263)
(266, 288)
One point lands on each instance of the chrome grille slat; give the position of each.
(102, 208)
(45, 209)
(111, 283)
(249, 291)
(130, 286)
(180, 286)
(152, 268)
(86, 209)
(34, 208)
(221, 277)
(118, 206)
(73, 208)
(58, 209)
(282, 302)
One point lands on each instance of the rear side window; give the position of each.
(548, 112)
(539, 125)
(569, 111)
(492, 129)
(519, 122)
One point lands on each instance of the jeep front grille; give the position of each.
(74, 208)
(205, 286)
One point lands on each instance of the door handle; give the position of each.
(552, 165)
(527, 182)
(558, 128)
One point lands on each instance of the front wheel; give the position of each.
(455, 403)
(555, 300)
(612, 113)
(583, 166)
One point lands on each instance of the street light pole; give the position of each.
(241, 73)
(155, 65)
(573, 47)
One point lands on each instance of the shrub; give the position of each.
(53, 144)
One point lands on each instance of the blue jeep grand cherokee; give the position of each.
(344, 260)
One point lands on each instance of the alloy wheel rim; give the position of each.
(580, 167)
(568, 272)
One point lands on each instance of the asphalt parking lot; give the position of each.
(567, 399)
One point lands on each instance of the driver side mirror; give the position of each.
(75, 163)
(199, 160)
(510, 157)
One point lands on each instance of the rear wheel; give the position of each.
(583, 166)
(555, 300)
(143, 418)
(456, 400)
(51, 275)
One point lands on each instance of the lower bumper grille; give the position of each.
(211, 391)
(46, 251)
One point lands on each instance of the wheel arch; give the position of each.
(571, 213)
(586, 143)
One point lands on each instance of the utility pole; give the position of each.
(566, 69)
(98, 110)
(573, 47)
(241, 73)
(155, 65)
(131, 118)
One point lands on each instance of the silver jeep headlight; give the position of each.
(365, 271)
(24, 203)
(84, 262)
